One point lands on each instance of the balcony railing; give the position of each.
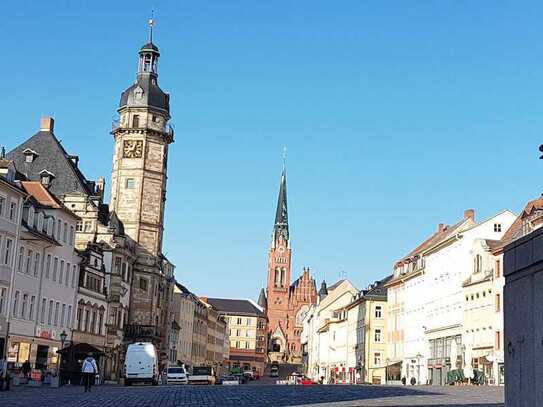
(141, 332)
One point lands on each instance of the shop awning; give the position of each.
(80, 348)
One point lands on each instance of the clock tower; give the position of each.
(138, 180)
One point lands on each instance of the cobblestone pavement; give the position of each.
(254, 395)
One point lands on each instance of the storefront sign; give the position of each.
(46, 334)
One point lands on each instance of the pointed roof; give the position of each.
(323, 292)
(52, 158)
(532, 214)
(262, 300)
(281, 213)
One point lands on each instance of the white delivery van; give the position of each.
(141, 364)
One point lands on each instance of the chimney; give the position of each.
(469, 214)
(47, 124)
(441, 227)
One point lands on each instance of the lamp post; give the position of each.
(63, 337)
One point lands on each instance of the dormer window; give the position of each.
(30, 155)
(497, 227)
(46, 177)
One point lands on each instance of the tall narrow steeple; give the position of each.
(281, 215)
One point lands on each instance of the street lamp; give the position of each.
(63, 337)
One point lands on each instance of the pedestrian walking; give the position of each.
(26, 368)
(89, 370)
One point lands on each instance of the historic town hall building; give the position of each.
(285, 304)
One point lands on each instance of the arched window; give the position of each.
(276, 277)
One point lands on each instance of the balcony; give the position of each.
(144, 333)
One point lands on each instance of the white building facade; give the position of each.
(45, 281)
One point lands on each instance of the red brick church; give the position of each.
(285, 304)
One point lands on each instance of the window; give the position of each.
(59, 228)
(55, 269)
(155, 119)
(3, 292)
(378, 311)
(42, 311)
(498, 301)
(123, 272)
(48, 267)
(248, 321)
(63, 315)
(66, 281)
(7, 251)
(497, 227)
(87, 320)
(21, 259)
(477, 263)
(31, 309)
(247, 345)
(2, 205)
(69, 317)
(377, 358)
(28, 261)
(57, 307)
(498, 271)
(136, 121)
(79, 226)
(12, 211)
(79, 315)
(143, 284)
(31, 217)
(377, 336)
(237, 345)
(130, 183)
(74, 275)
(65, 233)
(50, 313)
(23, 306)
(61, 272)
(498, 340)
(36, 264)
(15, 304)
(87, 226)
(40, 222)
(93, 322)
(29, 157)
(72, 236)
(100, 321)
(239, 321)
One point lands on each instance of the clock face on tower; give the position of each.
(132, 148)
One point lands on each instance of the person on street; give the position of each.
(89, 370)
(26, 369)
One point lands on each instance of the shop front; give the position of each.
(41, 353)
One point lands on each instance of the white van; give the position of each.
(141, 364)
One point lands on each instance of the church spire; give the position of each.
(281, 214)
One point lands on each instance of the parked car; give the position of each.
(202, 375)
(176, 375)
(141, 364)
(229, 380)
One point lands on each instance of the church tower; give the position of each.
(287, 301)
(138, 180)
(279, 275)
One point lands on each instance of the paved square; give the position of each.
(254, 395)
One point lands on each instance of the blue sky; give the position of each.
(396, 116)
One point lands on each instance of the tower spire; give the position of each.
(281, 213)
(151, 25)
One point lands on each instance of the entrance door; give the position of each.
(41, 357)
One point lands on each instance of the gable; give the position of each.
(50, 157)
